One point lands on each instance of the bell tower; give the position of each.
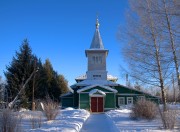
(96, 56)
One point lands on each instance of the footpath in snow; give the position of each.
(99, 123)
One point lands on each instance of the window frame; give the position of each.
(141, 97)
(132, 100)
(119, 101)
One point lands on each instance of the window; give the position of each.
(96, 75)
(121, 101)
(141, 98)
(100, 59)
(129, 100)
(97, 59)
(94, 59)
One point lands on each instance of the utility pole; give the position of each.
(179, 84)
(33, 103)
(174, 91)
(127, 80)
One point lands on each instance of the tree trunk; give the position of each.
(172, 45)
(157, 59)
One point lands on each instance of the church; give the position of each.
(97, 91)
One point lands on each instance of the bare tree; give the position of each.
(171, 25)
(145, 48)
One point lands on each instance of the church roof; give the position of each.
(96, 82)
(92, 86)
(109, 77)
(97, 41)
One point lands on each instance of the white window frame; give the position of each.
(131, 99)
(119, 98)
(141, 97)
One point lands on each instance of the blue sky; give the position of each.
(61, 30)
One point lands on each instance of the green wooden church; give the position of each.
(96, 90)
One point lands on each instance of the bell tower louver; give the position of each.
(96, 57)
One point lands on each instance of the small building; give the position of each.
(96, 90)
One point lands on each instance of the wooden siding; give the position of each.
(127, 92)
(84, 101)
(109, 101)
(67, 102)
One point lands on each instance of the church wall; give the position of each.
(96, 61)
(110, 101)
(84, 101)
(67, 102)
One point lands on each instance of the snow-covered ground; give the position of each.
(99, 123)
(124, 123)
(68, 120)
(72, 120)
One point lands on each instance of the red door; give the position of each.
(97, 104)
(100, 104)
(94, 104)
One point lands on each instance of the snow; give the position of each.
(74, 120)
(92, 86)
(68, 120)
(99, 123)
(109, 77)
(94, 91)
(95, 82)
(124, 123)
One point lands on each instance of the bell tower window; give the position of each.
(97, 59)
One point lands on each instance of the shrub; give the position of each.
(169, 118)
(51, 109)
(9, 122)
(144, 109)
(36, 121)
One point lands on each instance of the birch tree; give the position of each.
(170, 26)
(144, 50)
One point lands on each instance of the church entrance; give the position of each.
(97, 104)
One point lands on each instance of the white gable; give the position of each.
(93, 93)
(92, 86)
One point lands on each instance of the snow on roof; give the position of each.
(109, 77)
(92, 86)
(96, 82)
(94, 91)
(66, 94)
(137, 90)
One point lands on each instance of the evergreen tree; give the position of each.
(50, 83)
(63, 84)
(19, 71)
(45, 82)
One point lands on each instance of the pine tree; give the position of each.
(19, 71)
(50, 83)
(63, 84)
(45, 82)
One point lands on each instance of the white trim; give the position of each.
(92, 86)
(93, 93)
(119, 101)
(128, 94)
(97, 95)
(131, 99)
(88, 92)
